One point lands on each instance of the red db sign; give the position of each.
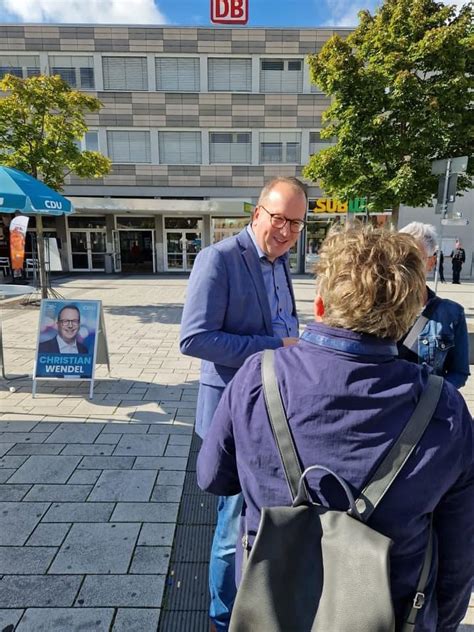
(229, 11)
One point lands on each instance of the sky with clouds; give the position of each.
(276, 13)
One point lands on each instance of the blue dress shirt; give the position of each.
(279, 298)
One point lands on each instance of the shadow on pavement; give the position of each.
(163, 313)
(115, 400)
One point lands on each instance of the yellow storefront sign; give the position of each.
(333, 205)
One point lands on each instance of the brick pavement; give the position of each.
(90, 490)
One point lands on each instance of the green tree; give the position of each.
(42, 120)
(401, 86)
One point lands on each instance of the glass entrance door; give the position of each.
(174, 251)
(182, 247)
(97, 249)
(183, 242)
(137, 251)
(316, 231)
(79, 254)
(87, 250)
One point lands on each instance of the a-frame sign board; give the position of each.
(71, 341)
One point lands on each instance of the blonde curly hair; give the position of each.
(371, 281)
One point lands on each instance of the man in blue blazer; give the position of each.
(68, 325)
(240, 301)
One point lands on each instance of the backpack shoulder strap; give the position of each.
(400, 451)
(279, 423)
(419, 598)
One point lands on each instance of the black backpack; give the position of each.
(314, 569)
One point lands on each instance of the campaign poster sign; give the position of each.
(67, 339)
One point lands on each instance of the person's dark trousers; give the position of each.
(456, 273)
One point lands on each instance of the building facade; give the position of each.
(195, 121)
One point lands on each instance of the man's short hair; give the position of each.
(425, 234)
(69, 307)
(371, 281)
(290, 180)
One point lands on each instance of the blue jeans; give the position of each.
(222, 565)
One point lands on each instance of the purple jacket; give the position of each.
(348, 396)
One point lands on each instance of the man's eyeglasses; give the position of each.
(279, 221)
(69, 322)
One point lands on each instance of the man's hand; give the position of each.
(287, 342)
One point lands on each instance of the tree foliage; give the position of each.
(401, 87)
(41, 121)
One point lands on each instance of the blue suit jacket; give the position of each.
(51, 346)
(227, 316)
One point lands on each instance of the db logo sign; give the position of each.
(229, 11)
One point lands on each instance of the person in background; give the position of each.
(458, 257)
(441, 267)
(348, 396)
(439, 336)
(240, 300)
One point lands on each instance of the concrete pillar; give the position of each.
(159, 244)
(206, 231)
(61, 234)
(109, 243)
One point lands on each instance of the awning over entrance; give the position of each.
(111, 206)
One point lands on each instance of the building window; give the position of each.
(183, 223)
(281, 75)
(316, 143)
(129, 146)
(135, 222)
(78, 72)
(229, 75)
(89, 142)
(177, 73)
(22, 66)
(230, 147)
(315, 89)
(180, 148)
(280, 147)
(86, 221)
(125, 73)
(223, 227)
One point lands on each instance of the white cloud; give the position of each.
(82, 11)
(344, 12)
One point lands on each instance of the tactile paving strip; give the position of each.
(186, 600)
(187, 587)
(192, 543)
(191, 467)
(198, 509)
(179, 621)
(190, 484)
(196, 443)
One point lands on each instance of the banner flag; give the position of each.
(18, 227)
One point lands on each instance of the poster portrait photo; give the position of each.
(67, 339)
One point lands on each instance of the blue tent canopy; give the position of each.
(21, 192)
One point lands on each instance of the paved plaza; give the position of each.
(90, 489)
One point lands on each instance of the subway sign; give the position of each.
(333, 205)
